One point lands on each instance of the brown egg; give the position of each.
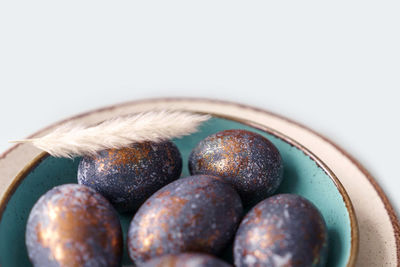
(193, 214)
(73, 225)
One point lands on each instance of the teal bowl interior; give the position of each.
(302, 175)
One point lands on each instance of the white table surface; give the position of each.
(334, 67)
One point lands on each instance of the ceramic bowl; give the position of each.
(304, 174)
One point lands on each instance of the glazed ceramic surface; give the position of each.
(302, 175)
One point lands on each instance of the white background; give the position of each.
(333, 66)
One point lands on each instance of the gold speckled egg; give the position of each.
(247, 160)
(73, 225)
(283, 230)
(193, 214)
(128, 176)
(186, 260)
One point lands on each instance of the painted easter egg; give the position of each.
(73, 225)
(193, 214)
(128, 176)
(246, 159)
(283, 230)
(186, 260)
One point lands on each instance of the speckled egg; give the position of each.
(73, 225)
(196, 213)
(246, 159)
(186, 260)
(128, 176)
(283, 230)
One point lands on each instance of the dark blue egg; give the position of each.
(73, 225)
(193, 214)
(186, 260)
(128, 176)
(283, 230)
(246, 159)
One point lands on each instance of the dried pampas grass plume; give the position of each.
(79, 140)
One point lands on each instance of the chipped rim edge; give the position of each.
(354, 242)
